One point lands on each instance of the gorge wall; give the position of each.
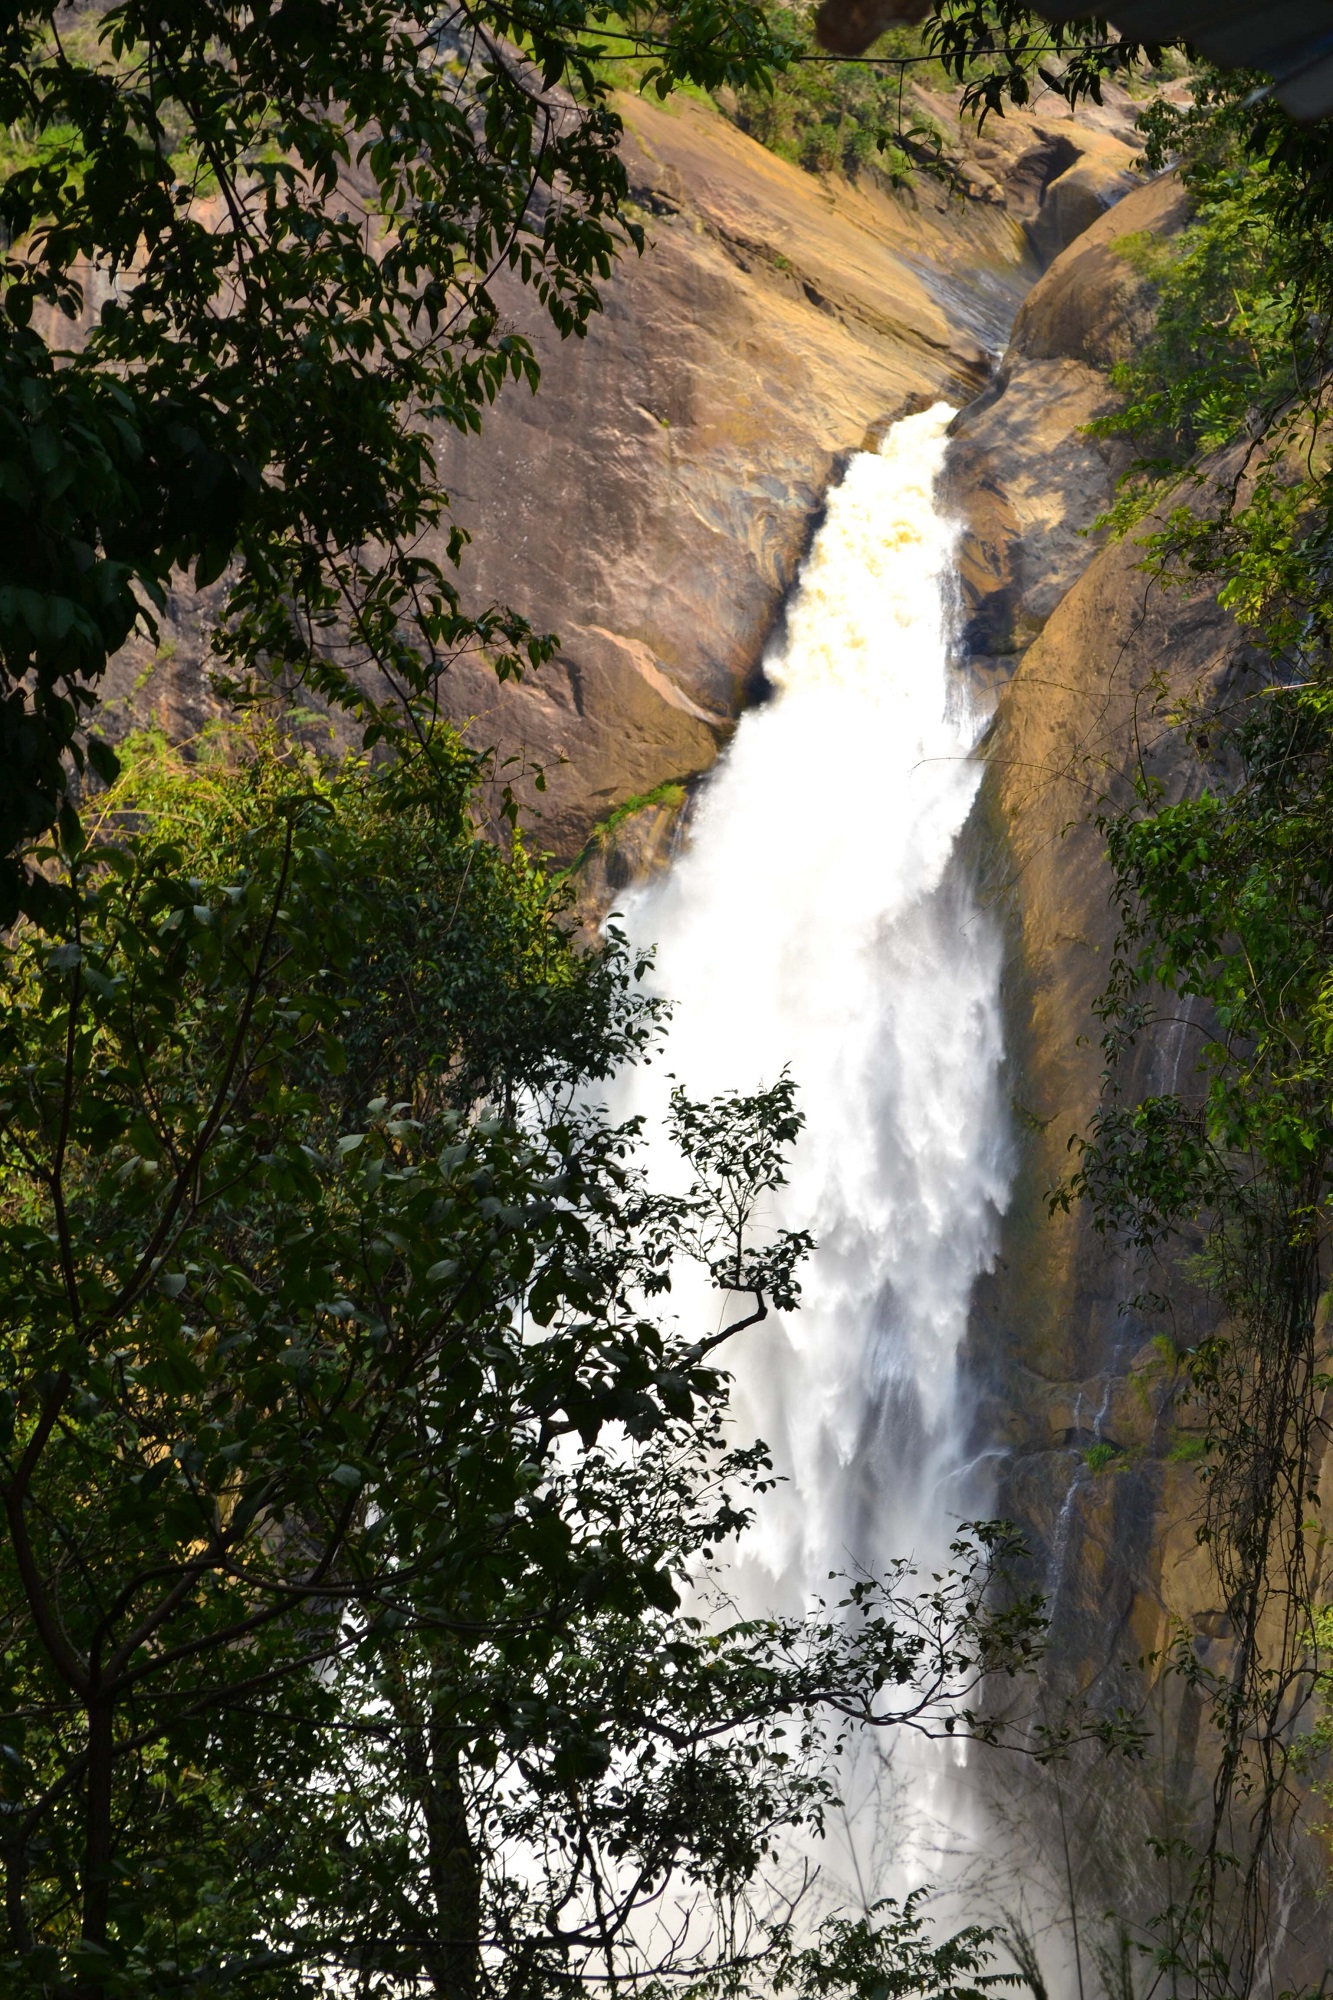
(1099, 1464)
(651, 503)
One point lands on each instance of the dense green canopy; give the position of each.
(354, 1467)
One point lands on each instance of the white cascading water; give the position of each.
(820, 919)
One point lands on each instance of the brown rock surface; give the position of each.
(1028, 484)
(660, 490)
(1095, 1467)
(1025, 477)
(1056, 173)
(1099, 1466)
(1093, 305)
(652, 502)
(1079, 717)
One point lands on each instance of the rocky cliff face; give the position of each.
(651, 503)
(775, 324)
(1104, 643)
(1071, 1387)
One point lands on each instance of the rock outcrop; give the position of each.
(1099, 1464)
(1101, 650)
(1027, 480)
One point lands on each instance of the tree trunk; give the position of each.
(455, 1872)
(97, 1837)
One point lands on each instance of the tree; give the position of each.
(352, 1480)
(300, 211)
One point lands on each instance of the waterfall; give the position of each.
(821, 918)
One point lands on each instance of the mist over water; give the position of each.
(821, 918)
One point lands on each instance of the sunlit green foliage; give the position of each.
(464, 986)
(843, 117)
(1224, 346)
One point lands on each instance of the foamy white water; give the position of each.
(820, 919)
